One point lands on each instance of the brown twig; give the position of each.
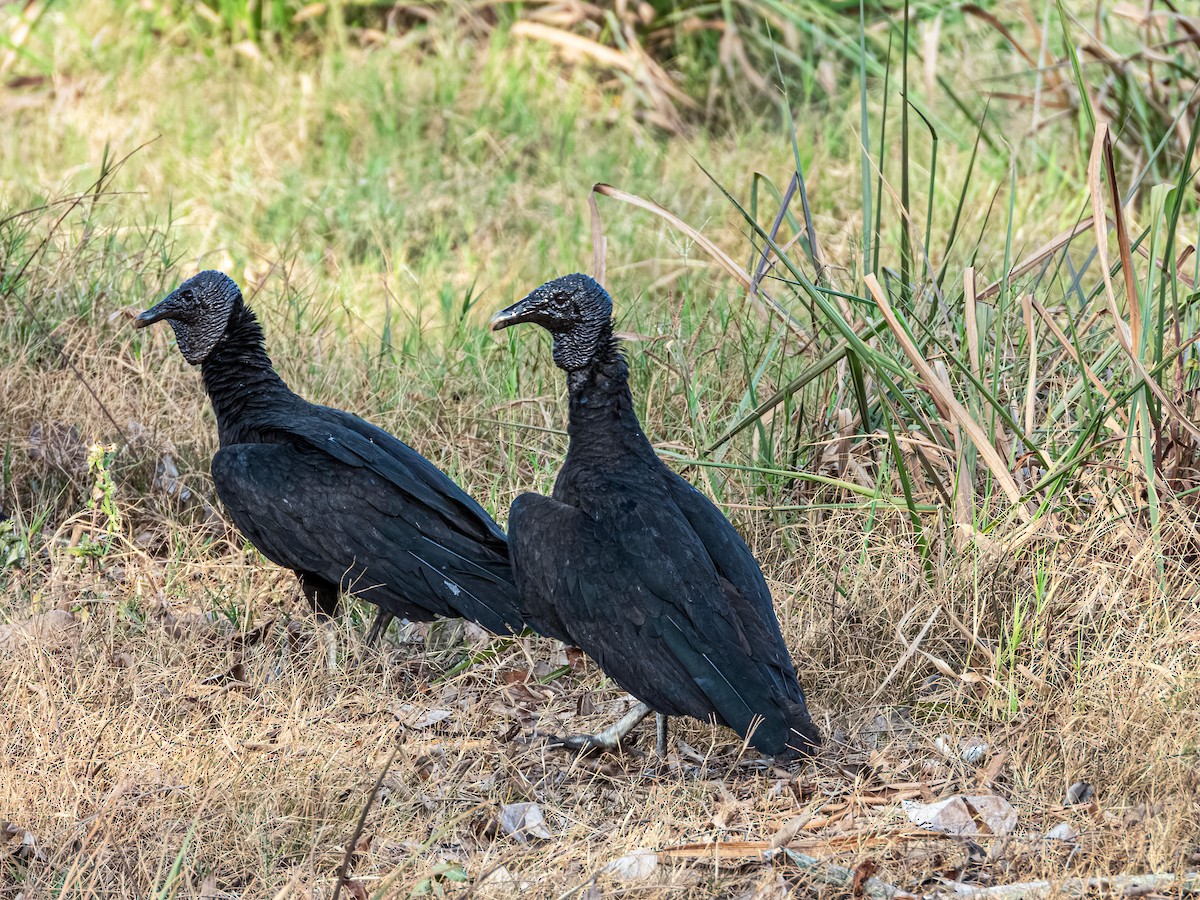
(344, 868)
(1126, 885)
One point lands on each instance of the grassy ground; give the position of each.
(169, 727)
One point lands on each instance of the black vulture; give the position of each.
(320, 491)
(638, 567)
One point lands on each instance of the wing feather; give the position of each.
(310, 510)
(646, 601)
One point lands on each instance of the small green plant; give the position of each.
(433, 885)
(104, 489)
(106, 518)
(12, 547)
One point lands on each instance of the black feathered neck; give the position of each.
(239, 378)
(603, 423)
(606, 367)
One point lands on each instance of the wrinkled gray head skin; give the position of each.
(198, 310)
(575, 309)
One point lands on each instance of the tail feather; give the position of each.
(480, 595)
(803, 736)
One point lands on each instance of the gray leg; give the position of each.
(379, 627)
(660, 723)
(327, 637)
(611, 737)
(323, 595)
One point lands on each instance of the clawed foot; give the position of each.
(378, 628)
(610, 739)
(654, 771)
(587, 744)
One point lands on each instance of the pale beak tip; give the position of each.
(501, 320)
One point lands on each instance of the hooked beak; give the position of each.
(514, 315)
(162, 310)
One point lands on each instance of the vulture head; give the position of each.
(199, 311)
(575, 310)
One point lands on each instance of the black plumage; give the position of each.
(637, 567)
(343, 503)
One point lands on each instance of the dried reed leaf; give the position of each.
(972, 321)
(599, 241)
(1070, 350)
(1102, 150)
(720, 256)
(946, 400)
(910, 648)
(574, 44)
(1131, 294)
(1042, 253)
(1031, 384)
(634, 62)
(1179, 263)
(1003, 29)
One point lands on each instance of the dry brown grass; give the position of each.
(173, 730)
(183, 736)
(131, 741)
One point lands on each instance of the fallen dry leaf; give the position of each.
(987, 776)
(499, 877)
(416, 718)
(1063, 831)
(788, 830)
(523, 821)
(964, 815)
(636, 866)
(1079, 792)
(166, 478)
(862, 872)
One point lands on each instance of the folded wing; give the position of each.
(648, 604)
(341, 506)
